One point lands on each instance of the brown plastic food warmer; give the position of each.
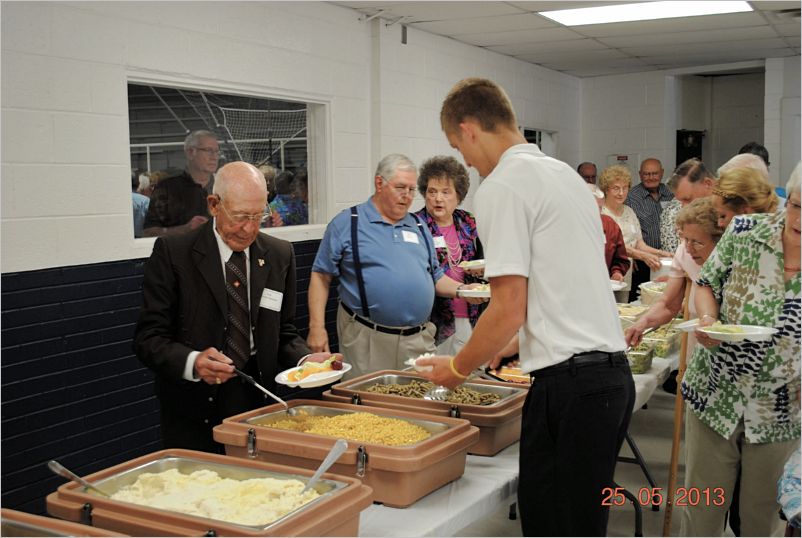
(499, 423)
(334, 513)
(16, 523)
(399, 475)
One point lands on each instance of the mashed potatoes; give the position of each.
(255, 502)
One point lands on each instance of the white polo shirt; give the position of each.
(536, 218)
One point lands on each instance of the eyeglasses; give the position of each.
(242, 218)
(695, 245)
(209, 151)
(651, 174)
(400, 190)
(618, 188)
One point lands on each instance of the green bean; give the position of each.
(416, 389)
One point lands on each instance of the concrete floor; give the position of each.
(651, 430)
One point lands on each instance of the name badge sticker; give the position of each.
(271, 300)
(440, 242)
(410, 237)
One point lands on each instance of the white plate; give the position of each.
(473, 293)
(666, 262)
(751, 332)
(414, 364)
(617, 286)
(473, 264)
(688, 326)
(314, 380)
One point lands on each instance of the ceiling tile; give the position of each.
(789, 30)
(499, 23)
(518, 36)
(707, 36)
(685, 24)
(436, 11)
(730, 47)
(683, 60)
(552, 46)
(774, 6)
(589, 56)
(550, 6)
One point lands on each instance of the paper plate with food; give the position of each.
(472, 264)
(482, 290)
(617, 286)
(738, 333)
(314, 374)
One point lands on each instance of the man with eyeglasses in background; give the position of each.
(178, 203)
(647, 199)
(219, 297)
(385, 260)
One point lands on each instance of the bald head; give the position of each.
(237, 178)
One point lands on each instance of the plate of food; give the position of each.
(738, 333)
(617, 286)
(482, 290)
(472, 264)
(314, 374)
(688, 326)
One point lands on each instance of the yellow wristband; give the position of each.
(454, 369)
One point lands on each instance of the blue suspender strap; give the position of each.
(425, 240)
(363, 297)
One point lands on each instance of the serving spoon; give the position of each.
(290, 411)
(60, 470)
(334, 453)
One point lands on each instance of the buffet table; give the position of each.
(489, 483)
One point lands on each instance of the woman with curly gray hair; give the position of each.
(443, 182)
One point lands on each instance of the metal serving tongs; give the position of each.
(644, 333)
(60, 470)
(290, 411)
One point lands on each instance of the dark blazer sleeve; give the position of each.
(156, 342)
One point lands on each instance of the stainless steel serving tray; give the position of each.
(115, 482)
(394, 379)
(433, 427)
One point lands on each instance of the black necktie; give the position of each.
(238, 335)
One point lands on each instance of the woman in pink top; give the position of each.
(444, 183)
(697, 223)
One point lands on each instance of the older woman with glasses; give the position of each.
(697, 223)
(443, 182)
(743, 396)
(615, 182)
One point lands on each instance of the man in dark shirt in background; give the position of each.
(647, 200)
(178, 203)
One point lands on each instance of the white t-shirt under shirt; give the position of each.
(536, 218)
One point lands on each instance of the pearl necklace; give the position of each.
(454, 252)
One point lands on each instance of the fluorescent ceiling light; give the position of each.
(642, 12)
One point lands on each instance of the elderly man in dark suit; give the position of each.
(218, 297)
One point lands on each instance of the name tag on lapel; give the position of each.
(409, 237)
(439, 241)
(271, 300)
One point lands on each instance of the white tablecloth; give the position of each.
(488, 484)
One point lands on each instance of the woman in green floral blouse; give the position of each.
(743, 397)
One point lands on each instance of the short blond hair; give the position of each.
(742, 187)
(702, 213)
(611, 174)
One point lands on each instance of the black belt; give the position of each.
(382, 328)
(580, 360)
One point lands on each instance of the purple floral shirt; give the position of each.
(443, 312)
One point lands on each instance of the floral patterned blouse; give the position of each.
(443, 312)
(669, 237)
(757, 382)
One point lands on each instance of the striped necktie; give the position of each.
(238, 331)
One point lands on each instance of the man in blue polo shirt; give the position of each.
(388, 277)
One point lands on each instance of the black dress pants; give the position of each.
(574, 422)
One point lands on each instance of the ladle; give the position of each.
(336, 451)
(60, 470)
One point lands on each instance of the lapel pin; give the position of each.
(261, 262)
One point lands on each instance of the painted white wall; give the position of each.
(65, 66)
(737, 114)
(781, 123)
(65, 164)
(416, 76)
(633, 114)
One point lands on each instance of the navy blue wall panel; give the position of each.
(72, 389)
